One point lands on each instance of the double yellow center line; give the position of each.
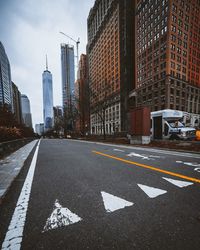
(148, 167)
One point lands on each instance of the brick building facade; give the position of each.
(110, 62)
(168, 54)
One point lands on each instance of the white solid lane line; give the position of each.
(14, 234)
(60, 217)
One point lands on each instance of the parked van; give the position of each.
(167, 124)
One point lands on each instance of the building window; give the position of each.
(174, 19)
(185, 45)
(178, 67)
(173, 47)
(184, 53)
(173, 28)
(179, 59)
(180, 13)
(173, 38)
(180, 32)
(185, 36)
(180, 23)
(178, 50)
(173, 56)
(174, 8)
(179, 41)
(186, 27)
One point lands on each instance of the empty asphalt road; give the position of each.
(84, 195)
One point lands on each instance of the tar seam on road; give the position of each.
(14, 234)
(148, 167)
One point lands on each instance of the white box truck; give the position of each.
(167, 124)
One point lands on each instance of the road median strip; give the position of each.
(148, 167)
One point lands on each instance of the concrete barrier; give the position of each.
(11, 146)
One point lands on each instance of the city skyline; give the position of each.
(28, 36)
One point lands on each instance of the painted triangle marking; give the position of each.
(178, 183)
(60, 217)
(112, 203)
(151, 191)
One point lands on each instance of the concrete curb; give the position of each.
(8, 147)
(11, 166)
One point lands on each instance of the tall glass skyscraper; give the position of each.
(68, 75)
(5, 79)
(47, 99)
(26, 111)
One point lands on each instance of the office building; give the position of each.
(168, 54)
(17, 107)
(58, 111)
(68, 80)
(26, 111)
(68, 75)
(5, 80)
(58, 119)
(82, 96)
(39, 129)
(111, 63)
(47, 99)
(58, 115)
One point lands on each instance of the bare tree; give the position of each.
(100, 106)
(70, 114)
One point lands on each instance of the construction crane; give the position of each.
(77, 44)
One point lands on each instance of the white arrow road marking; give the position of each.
(60, 217)
(119, 150)
(156, 156)
(144, 157)
(197, 169)
(193, 164)
(112, 203)
(178, 183)
(151, 191)
(138, 155)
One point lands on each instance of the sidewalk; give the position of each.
(187, 146)
(178, 145)
(12, 165)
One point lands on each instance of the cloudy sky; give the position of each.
(29, 30)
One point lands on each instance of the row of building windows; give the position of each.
(104, 60)
(180, 22)
(178, 49)
(180, 8)
(100, 13)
